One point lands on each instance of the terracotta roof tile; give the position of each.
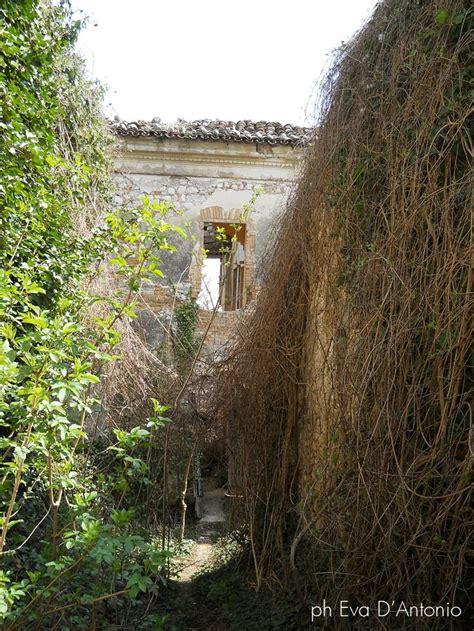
(271, 133)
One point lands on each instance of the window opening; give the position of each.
(223, 270)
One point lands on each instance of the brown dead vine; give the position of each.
(348, 403)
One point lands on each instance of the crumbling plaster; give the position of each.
(194, 174)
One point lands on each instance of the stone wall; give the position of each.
(195, 175)
(156, 322)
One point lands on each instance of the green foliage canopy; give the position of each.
(68, 541)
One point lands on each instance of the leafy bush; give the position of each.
(72, 551)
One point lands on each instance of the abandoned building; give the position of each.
(209, 170)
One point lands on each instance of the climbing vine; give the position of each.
(351, 423)
(186, 315)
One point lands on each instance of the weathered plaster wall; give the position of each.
(195, 175)
(157, 324)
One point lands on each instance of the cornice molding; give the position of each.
(149, 156)
(163, 157)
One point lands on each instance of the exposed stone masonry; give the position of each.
(209, 172)
(186, 192)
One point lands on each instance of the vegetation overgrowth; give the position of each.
(348, 403)
(74, 551)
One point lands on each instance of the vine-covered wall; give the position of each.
(351, 420)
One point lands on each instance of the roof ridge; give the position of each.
(243, 130)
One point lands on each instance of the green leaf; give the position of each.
(122, 517)
(118, 260)
(459, 18)
(138, 583)
(37, 321)
(441, 16)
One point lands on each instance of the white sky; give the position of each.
(227, 59)
(210, 283)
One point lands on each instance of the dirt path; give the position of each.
(211, 592)
(205, 533)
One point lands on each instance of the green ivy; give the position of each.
(186, 315)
